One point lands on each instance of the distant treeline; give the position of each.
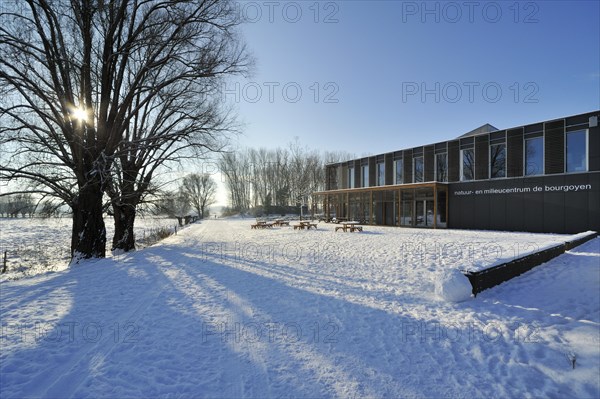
(25, 205)
(274, 180)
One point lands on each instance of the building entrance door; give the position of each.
(424, 213)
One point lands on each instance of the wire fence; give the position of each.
(148, 237)
(20, 260)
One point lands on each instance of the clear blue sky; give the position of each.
(506, 63)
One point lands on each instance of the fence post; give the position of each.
(4, 262)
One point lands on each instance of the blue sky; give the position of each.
(381, 76)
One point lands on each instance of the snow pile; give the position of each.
(453, 286)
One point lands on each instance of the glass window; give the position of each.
(441, 167)
(497, 161)
(577, 152)
(381, 174)
(406, 208)
(398, 168)
(417, 169)
(467, 164)
(534, 156)
(365, 175)
(351, 178)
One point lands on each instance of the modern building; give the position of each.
(542, 177)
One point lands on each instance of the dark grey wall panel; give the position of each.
(514, 215)
(554, 208)
(467, 142)
(357, 182)
(499, 136)
(594, 203)
(576, 220)
(594, 150)
(467, 211)
(482, 151)
(514, 152)
(389, 166)
(407, 159)
(578, 120)
(568, 203)
(453, 161)
(534, 128)
(428, 157)
(372, 171)
(481, 212)
(498, 210)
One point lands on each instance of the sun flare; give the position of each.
(79, 114)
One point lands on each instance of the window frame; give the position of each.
(396, 163)
(380, 171)
(587, 151)
(543, 166)
(505, 161)
(414, 169)
(462, 165)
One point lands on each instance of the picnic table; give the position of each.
(260, 224)
(351, 226)
(281, 222)
(304, 224)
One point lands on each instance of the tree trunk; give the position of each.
(88, 239)
(124, 238)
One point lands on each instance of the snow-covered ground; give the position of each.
(224, 311)
(40, 245)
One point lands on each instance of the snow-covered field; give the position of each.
(38, 245)
(224, 311)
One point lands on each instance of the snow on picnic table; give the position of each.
(224, 311)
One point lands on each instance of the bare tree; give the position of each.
(238, 173)
(201, 190)
(176, 205)
(281, 177)
(75, 75)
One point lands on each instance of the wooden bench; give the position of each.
(299, 226)
(355, 228)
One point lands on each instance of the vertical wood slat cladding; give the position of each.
(482, 151)
(372, 172)
(389, 165)
(453, 161)
(514, 152)
(554, 147)
(428, 159)
(594, 148)
(407, 159)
